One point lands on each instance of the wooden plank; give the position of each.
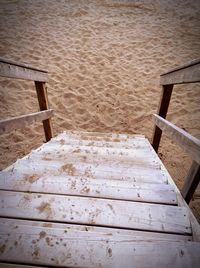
(191, 182)
(134, 173)
(79, 186)
(12, 265)
(162, 111)
(187, 142)
(181, 202)
(95, 155)
(56, 247)
(21, 71)
(94, 211)
(82, 231)
(100, 137)
(188, 73)
(14, 123)
(41, 90)
(144, 169)
(66, 138)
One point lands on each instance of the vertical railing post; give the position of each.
(43, 104)
(162, 111)
(191, 182)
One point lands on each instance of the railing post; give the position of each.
(43, 103)
(191, 182)
(162, 111)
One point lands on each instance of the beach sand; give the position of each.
(104, 60)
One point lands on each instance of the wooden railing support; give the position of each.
(187, 142)
(21, 121)
(41, 90)
(16, 70)
(187, 73)
(190, 145)
(191, 182)
(162, 111)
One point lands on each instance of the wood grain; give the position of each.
(187, 142)
(12, 69)
(95, 211)
(188, 73)
(14, 123)
(41, 90)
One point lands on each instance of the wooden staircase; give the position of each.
(96, 200)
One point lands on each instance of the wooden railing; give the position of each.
(188, 73)
(12, 69)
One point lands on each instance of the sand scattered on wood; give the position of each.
(104, 60)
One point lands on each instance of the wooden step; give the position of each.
(94, 211)
(37, 245)
(86, 231)
(83, 186)
(114, 141)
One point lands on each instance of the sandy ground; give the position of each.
(104, 60)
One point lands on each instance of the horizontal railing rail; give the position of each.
(187, 142)
(187, 73)
(14, 123)
(11, 69)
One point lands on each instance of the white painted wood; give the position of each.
(58, 229)
(21, 71)
(14, 123)
(187, 142)
(78, 186)
(112, 136)
(95, 155)
(181, 202)
(85, 162)
(95, 211)
(133, 174)
(65, 138)
(46, 246)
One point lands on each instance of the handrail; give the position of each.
(17, 70)
(187, 73)
(187, 142)
(13, 69)
(14, 123)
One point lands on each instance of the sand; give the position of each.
(104, 60)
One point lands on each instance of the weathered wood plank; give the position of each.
(95, 155)
(162, 111)
(12, 265)
(191, 182)
(136, 165)
(66, 138)
(134, 173)
(189, 73)
(79, 186)
(102, 137)
(181, 202)
(57, 247)
(41, 90)
(58, 229)
(21, 71)
(187, 142)
(14, 123)
(94, 211)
